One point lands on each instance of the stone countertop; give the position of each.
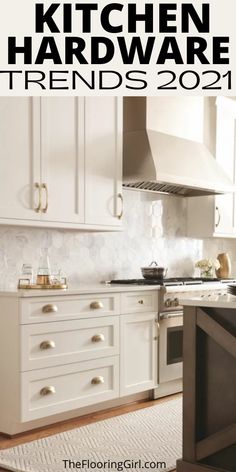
(214, 301)
(78, 290)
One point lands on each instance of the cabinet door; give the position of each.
(138, 353)
(225, 155)
(19, 162)
(103, 160)
(62, 159)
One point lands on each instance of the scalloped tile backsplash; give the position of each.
(154, 229)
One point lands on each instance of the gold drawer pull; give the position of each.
(98, 338)
(47, 345)
(96, 305)
(141, 302)
(97, 380)
(47, 391)
(50, 309)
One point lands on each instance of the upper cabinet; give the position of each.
(19, 167)
(215, 216)
(103, 160)
(61, 162)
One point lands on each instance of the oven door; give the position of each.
(171, 346)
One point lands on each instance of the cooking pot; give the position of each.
(154, 271)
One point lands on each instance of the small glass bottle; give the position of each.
(44, 271)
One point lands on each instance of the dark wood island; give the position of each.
(209, 385)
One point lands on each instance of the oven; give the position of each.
(170, 346)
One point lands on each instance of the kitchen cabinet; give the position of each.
(103, 160)
(69, 351)
(69, 355)
(215, 216)
(138, 341)
(62, 159)
(138, 362)
(19, 166)
(67, 152)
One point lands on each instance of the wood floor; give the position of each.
(6, 442)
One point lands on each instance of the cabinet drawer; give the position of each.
(51, 344)
(40, 309)
(50, 391)
(135, 302)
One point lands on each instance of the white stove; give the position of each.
(171, 294)
(170, 316)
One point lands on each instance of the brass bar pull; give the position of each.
(141, 302)
(38, 208)
(45, 187)
(120, 196)
(97, 380)
(158, 329)
(219, 217)
(50, 309)
(98, 338)
(47, 345)
(96, 305)
(47, 391)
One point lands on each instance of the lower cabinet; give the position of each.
(138, 361)
(65, 352)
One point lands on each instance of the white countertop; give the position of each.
(214, 301)
(79, 290)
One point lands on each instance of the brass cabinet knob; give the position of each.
(47, 391)
(50, 309)
(98, 338)
(141, 302)
(47, 345)
(97, 380)
(96, 305)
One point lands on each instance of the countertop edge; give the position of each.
(80, 290)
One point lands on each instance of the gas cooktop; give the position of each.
(170, 281)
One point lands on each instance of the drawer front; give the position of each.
(58, 389)
(40, 309)
(52, 344)
(136, 302)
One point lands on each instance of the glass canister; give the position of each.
(44, 271)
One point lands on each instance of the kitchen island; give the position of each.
(209, 417)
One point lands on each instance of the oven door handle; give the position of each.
(168, 316)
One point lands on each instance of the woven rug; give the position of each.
(150, 435)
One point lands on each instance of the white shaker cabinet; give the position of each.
(138, 368)
(215, 216)
(61, 162)
(138, 341)
(103, 158)
(19, 164)
(70, 350)
(62, 159)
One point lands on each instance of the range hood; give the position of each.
(166, 163)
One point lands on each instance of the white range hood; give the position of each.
(165, 162)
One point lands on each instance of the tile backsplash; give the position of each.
(154, 229)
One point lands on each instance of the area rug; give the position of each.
(150, 438)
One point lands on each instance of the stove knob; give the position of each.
(176, 302)
(168, 302)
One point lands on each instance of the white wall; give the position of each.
(153, 229)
